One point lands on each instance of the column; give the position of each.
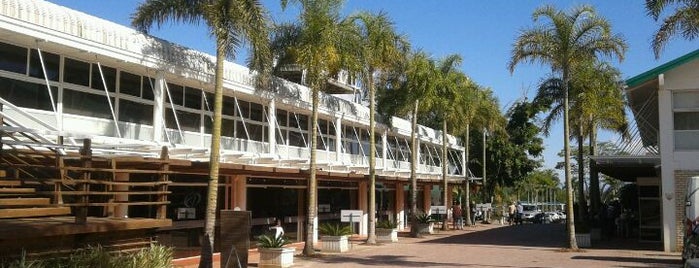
(121, 211)
(667, 178)
(427, 197)
(301, 216)
(384, 150)
(418, 169)
(272, 127)
(158, 106)
(240, 192)
(399, 206)
(363, 206)
(338, 139)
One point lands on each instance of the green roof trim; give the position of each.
(653, 73)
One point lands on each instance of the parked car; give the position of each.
(553, 216)
(561, 216)
(529, 212)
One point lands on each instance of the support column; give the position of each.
(427, 197)
(272, 127)
(301, 218)
(419, 155)
(363, 206)
(121, 211)
(384, 150)
(158, 106)
(667, 178)
(399, 206)
(338, 139)
(240, 192)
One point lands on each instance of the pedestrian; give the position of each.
(457, 215)
(511, 210)
(473, 213)
(277, 228)
(520, 213)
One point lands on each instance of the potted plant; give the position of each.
(334, 237)
(582, 235)
(424, 223)
(273, 254)
(387, 231)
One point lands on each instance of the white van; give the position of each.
(529, 211)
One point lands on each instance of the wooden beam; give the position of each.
(8, 213)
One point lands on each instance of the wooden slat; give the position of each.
(10, 183)
(17, 190)
(9, 213)
(3, 173)
(119, 204)
(25, 201)
(109, 193)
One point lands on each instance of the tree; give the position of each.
(229, 22)
(380, 46)
(567, 39)
(321, 43)
(684, 20)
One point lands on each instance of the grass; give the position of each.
(155, 256)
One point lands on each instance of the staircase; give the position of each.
(19, 201)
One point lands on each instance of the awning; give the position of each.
(628, 168)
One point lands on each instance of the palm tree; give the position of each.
(321, 44)
(380, 46)
(569, 38)
(229, 22)
(684, 20)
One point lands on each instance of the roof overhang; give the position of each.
(628, 168)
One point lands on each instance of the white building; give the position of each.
(131, 94)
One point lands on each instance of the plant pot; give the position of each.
(596, 234)
(334, 243)
(386, 235)
(276, 257)
(583, 240)
(425, 228)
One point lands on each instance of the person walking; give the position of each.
(457, 215)
(520, 213)
(511, 210)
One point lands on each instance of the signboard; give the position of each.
(485, 206)
(323, 207)
(437, 210)
(350, 215)
(235, 237)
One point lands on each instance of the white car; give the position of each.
(529, 211)
(553, 216)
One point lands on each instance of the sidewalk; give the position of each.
(493, 245)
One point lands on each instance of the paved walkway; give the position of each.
(528, 246)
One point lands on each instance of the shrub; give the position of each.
(155, 256)
(271, 241)
(334, 229)
(422, 217)
(387, 224)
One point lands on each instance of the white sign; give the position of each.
(438, 210)
(350, 215)
(484, 206)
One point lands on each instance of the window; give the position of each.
(52, 63)
(134, 112)
(188, 121)
(130, 84)
(109, 78)
(176, 94)
(148, 84)
(13, 58)
(192, 98)
(76, 72)
(81, 103)
(28, 95)
(686, 119)
(228, 107)
(256, 112)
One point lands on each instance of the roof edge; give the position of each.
(652, 73)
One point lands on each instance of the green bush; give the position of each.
(271, 241)
(336, 229)
(387, 224)
(155, 256)
(422, 217)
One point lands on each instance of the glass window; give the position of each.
(192, 98)
(244, 108)
(227, 127)
(240, 130)
(685, 99)
(303, 121)
(13, 58)
(130, 84)
(256, 132)
(109, 76)
(52, 62)
(686, 120)
(256, 112)
(81, 103)
(188, 121)
(28, 95)
(228, 104)
(148, 84)
(281, 136)
(296, 139)
(76, 72)
(134, 112)
(176, 94)
(281, 118)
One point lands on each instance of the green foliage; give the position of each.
(422, 217)
(387, 224)
(271, 241)
(155, 256)
(334, 229)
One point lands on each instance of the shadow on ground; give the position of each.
(385, 260)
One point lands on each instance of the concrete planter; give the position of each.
(276, 257)
(334, 243)
(425, 228)
(583, 240)
(386, 235)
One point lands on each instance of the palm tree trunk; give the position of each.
(413, 170)
(582, 201)
(444, 171)
(207, 249)
(570, 221)
(467, 205)
(312, 186)
(371, 238)
(595, 198)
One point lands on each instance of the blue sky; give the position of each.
(482, 32)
